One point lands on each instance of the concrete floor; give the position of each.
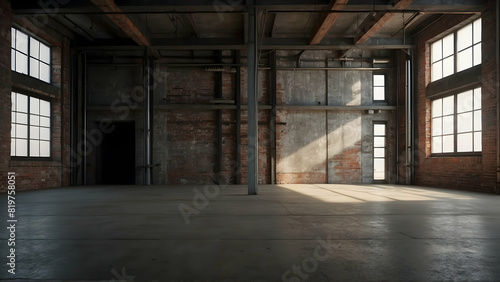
(287, 233)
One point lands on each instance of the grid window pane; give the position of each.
(12, 59)
(448, 125)
(378, 80)
(21, 63)
(12, 38)
(44, 53)
(44, 133)
(448, 45)
(478, 145)
(34, 48)
(34, 132)
(437, 70)
(464, 122)
(464, 59)
(448, 66)
(44, 108)
(464, 142)
(22, 103)
(437, 145)
(34, 148)
(34, 106)
(477, 121)
(379, 141)
(379, 153)
(477, 55)
(437, 126)
(436, 51)
(379, 169)
(44, 121)
(464, 37)
(448, 144)
(21, 147)
(21, 131)
(22, 42)
(34, 120)
(437, 108)
(477, 31)
(477, 98)
(378, 93)
(45, 72)
(22, 118)
(34, 68)
(44, 149)
(464, 101)
(379, 129)
(448, 105)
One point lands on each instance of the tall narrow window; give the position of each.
(379, 151)
(379, 87)
(30, 127)
(30, 56)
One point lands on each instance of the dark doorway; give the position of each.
(118, 155)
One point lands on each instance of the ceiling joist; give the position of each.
(122, 21)
(327, 21)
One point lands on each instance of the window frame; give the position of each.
(384, 123)
(456, 52)
(29, 56)
(29, 125)
(374, 87)
(455, 133)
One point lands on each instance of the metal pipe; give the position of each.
(84, 102)
(238, 117)
(398, 92)
(272, 121)
(332, 69)
(218, 95)
(147, 120)
(253, 107)
(72, 113)
(497, 8)
(412, 121)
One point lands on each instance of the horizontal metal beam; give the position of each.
(207, 107)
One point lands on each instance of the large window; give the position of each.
(30, 128)
(30, 56)
(457, 51)
(456, 123)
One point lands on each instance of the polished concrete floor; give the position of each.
(286, 233)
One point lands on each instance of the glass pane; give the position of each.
(44, 121)
(437, 126)
(44, 149)
(448, 105)
(477, 31)
(379, 169)
(44, 53)
(464, 122)
(464, 37)
(22, 42)
(34, 105)
(437, 145)
(477, 54)
(448, 45)
(34, 120)
(437, 71)
(448, 66)
(478, 145)
(21, 63)
(13, 98)
(448, 125)
(437, 108)
(477, 98)
(378, 80)
(34, 68)
(13, 147)
(448, 144)
(12, 37)
(21, 148)
(44, 133)
(34, 48)
(34, 148)
(379, 153)
(464, 142)
(464, 102)
(44, 108)
(12, 130)
(45, 72)
(477, 121)
(34, 132)
(464, 59)
(378, 93)
(379, 129)
(379, 141)
(12, 59)
(21, 118)
(436, 51)
(13, 117)
(21, 131)
(22, 103)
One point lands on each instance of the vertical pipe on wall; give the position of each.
(218, 95)
(412, 121)
(408, 124)
(253, 146)
(147, 119)
(238, 116)
(398, 92)
(84, 111)
(72, 113)
(497, 8)
(272, 121)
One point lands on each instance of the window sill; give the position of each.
(456, 155)
(24, 82)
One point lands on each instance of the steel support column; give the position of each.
(272, 121)
(253, 111)
(218, 95)
(147, 120)
(238, 116)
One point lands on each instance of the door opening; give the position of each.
(118, 155)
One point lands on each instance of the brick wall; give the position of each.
(33, 174)
(475, 173)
